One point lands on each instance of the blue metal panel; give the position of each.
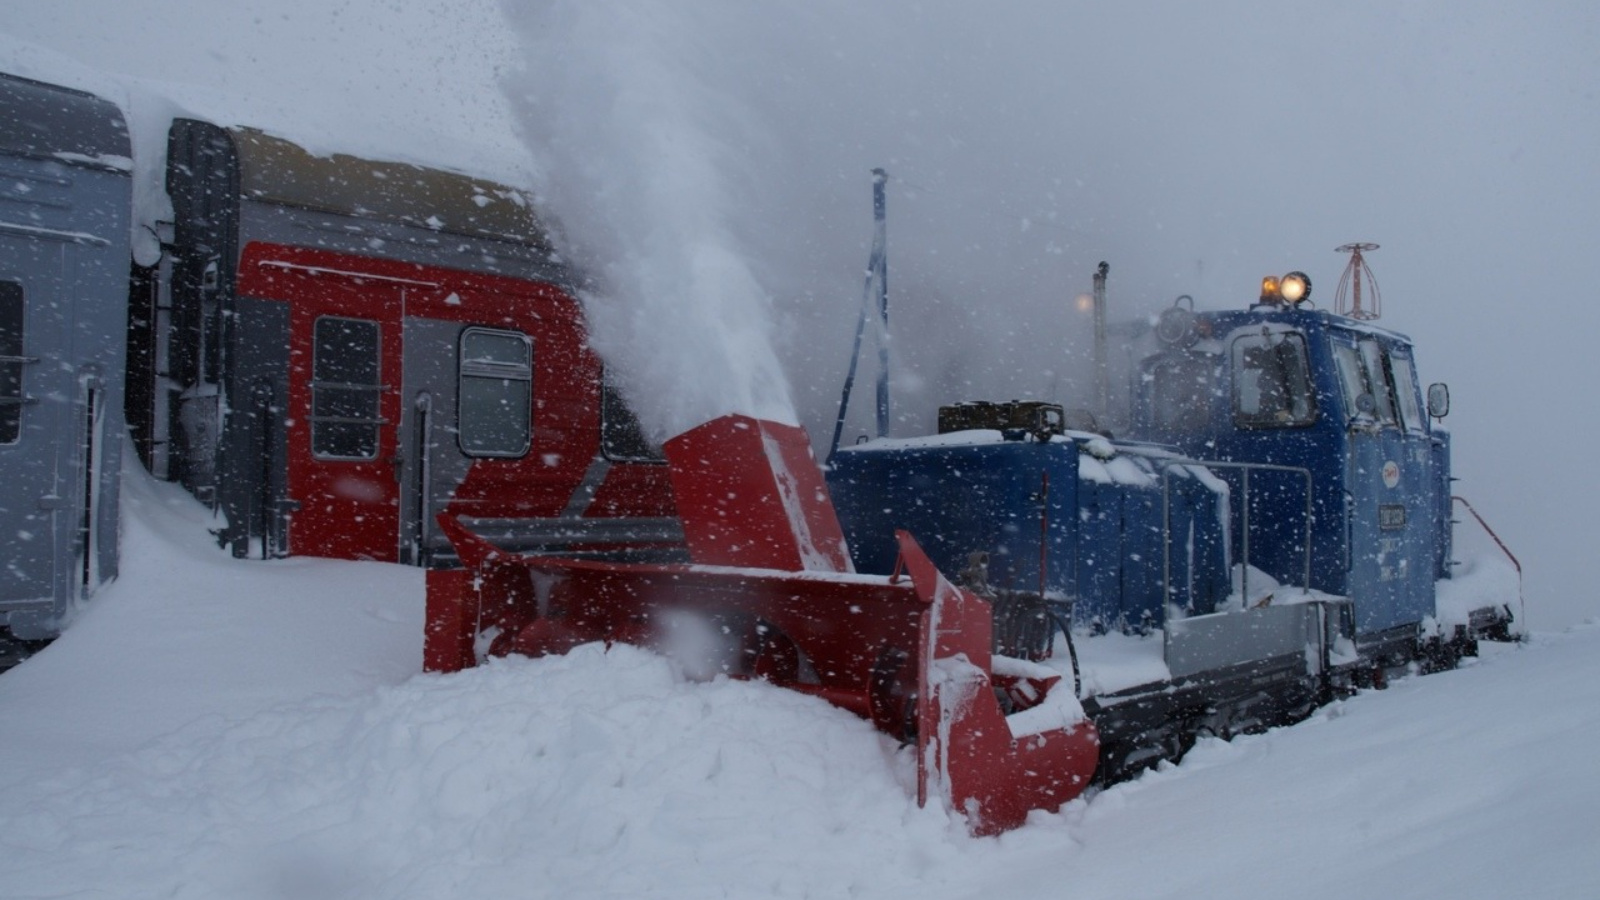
(1197, 560)
(960, 499)
(1379, 529)
(1099, 522)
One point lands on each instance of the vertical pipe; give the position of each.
(1044, 530)
(1355, 271)
(880, 272)
(1309, 512)
(1166, 538)
(1102, 376)
(1244, 579)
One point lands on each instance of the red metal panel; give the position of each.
(634, 489)
(451, 621)
(966, 749)
(751, 494)
(350, 509)
(913, 656)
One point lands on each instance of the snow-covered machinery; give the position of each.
(1279, 533)
(772, 594)
(1120, 548)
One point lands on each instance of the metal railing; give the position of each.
(1522, 603)
(1244, 504)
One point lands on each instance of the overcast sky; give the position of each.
(711, 160)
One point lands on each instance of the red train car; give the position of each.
(334, 350)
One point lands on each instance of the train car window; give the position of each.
(11, 361)
(1272, 381)
(345, 388)
(1372, 356)
(1180, 393)
(1405, 391)
(622, 439)
(495, 407)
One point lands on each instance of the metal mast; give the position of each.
(1350, 282)
(876, 292)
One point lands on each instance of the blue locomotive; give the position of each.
(1269, 532)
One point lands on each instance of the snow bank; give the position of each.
(600, 771)
(220, 728)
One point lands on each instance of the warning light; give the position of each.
(1291, 289)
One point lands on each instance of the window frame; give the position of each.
(13, 364)
(1179, 368)
(1375, 361)
(476, 370)
(375, 422)
(1407, 397)
(1268, 339)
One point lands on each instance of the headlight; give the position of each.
(1292, 289)
(1295, 287)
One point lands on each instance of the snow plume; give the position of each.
(645, 156)
(710, 165)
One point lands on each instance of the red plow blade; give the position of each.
(771, 596)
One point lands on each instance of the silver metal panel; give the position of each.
(1203, 643)
(65, 242)
(431, 464)
(46, 121)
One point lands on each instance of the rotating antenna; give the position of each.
(1350, 284)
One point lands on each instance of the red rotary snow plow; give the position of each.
(771, 595)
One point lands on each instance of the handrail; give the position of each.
(1522, 602)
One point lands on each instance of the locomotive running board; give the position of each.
(772, 578)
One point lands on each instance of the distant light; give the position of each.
(1295, 287)
(1084, 303)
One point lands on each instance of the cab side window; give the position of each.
(1272, 381)
(1180, 392)
(1377, 365)
(11, 362)
(1352, 376)
(1405, 391)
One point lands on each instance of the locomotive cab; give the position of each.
(1332, 405)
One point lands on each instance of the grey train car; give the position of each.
(65, 198)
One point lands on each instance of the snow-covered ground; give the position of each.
(216, 728)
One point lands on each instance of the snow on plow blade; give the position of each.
(770, 595)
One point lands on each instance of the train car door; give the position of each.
(429, 466)
(345, 402)
(30, 438)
